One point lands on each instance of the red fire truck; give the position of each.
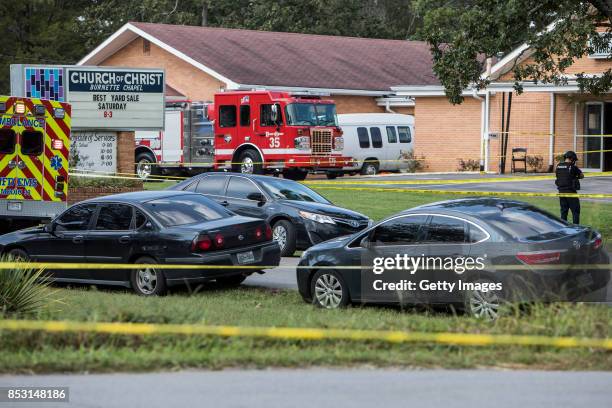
(247, 132)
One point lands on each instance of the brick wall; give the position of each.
(183, 77)
(125, 152)
(76, 195)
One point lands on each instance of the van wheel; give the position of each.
(145, 165)
(369, 168)
(249, 162)
(331, 176)
(146, 280)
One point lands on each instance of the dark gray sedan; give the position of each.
(475, 253)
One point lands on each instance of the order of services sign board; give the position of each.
(116, 98)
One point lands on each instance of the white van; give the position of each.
(377, 141)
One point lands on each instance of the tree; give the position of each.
(463, 34)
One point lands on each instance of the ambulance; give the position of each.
(34, 146)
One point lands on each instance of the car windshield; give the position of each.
(183, 210)
(528, 223)
(311, 114)
(290, 190)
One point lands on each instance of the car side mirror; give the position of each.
(50, 227)
(257, 197)
(365, 242)
(148, 225)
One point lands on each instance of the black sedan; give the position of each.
(155, 227)
(299, 216)
(473, 253)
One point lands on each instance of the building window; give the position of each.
(245, 115)
(227, 116)
(376, 137)
(364, 139)
(146, 47)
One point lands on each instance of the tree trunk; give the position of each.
(204, 13)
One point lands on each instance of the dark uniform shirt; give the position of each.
(567, 178)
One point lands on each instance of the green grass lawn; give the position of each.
(35, 352)
(43, 352)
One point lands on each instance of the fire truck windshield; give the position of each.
(311, 114)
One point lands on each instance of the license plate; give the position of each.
(245, 257)
(14, 206)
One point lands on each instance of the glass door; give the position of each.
(591, 144)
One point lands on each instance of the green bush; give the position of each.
(104, 182)
(23, 290)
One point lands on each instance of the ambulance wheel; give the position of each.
(19, 255)
(249, 162)
(145, 165)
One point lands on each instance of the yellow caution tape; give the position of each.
(290, 333)
(461, 192)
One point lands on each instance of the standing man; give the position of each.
(568, 175)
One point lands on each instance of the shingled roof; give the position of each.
(275, 59)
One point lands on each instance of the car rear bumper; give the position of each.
(265, 255)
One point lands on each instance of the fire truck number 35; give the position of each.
(275, 142)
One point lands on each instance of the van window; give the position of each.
(364, 139)
(245, 115)
(227, 116)
(32, 142)
(376, 137)
(7, 141)
(404, 134)
(391, 134)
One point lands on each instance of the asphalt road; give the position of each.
(329, 388)
(590, 185)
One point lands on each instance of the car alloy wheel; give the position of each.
(146, 280)
(144, 168)
(328, 291)
(246, 167)
(484, 305)
(279, 234)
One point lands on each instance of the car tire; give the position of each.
(295, 174)
(19, 255)
(328, 289)
(145, 165)
(249, 162)
(231, 281)
(148, 281)
(283, 232)
(484, 305)
(331, 175)
(369, 169)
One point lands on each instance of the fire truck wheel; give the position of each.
(369, 169)
(295, 174)
(148, 281)
(18, 254)
(331, 175)
(145, 165)
(283, 232)
(249, 162)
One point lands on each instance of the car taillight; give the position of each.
(268, 232)
(259, 233)
(201, 243)
(219, 241)
(597, 242)
(539, 257)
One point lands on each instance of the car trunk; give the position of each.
(232, 232)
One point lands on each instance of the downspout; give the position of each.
(482, 128)
(551, 141)
(388, 107)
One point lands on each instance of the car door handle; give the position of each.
(78, 239)
(224, 203)
(124, 239)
